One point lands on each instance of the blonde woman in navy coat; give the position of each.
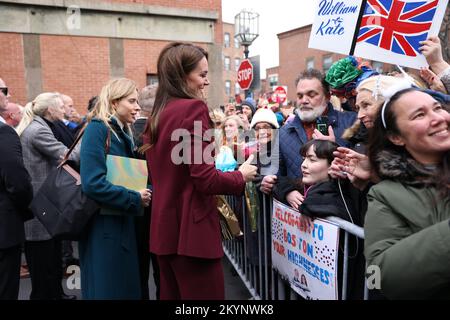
(108, 253)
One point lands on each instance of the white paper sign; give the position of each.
(334, 25)
(389, 31)
(305, 254)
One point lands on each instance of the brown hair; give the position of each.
(379, 142)
(176, 61)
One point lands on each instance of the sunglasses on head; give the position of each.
(4, 90)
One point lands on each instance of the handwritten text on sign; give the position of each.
(305, 252)
(334, 25)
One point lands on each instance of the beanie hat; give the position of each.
(264, 115)
(379, 84)
(249, 103)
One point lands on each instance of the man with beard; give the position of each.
(313, 101)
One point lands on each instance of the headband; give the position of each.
(388, 94)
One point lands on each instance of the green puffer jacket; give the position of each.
(407, 234)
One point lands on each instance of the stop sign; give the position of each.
(245, 74)
(280, 94)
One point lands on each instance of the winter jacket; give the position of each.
(108, 250)
(293, 136)
(408, 233)
(42, 152)
(323, 200)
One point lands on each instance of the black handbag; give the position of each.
(60, 204)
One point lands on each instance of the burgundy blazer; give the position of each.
(184, 217)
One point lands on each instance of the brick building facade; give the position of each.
(232, 57)
(75, 50)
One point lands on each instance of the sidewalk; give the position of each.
(234, 288)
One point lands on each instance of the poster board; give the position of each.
(305, 254)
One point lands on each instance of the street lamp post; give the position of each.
(246, 24)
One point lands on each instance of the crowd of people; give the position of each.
(369, 148)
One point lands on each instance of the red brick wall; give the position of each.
(211, 5)
(273, 70)
(232, 53)
(294, 52)
(76, 66)
(12, 69)
(79, 66)
(189, 4)
(141, 58)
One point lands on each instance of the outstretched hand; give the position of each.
(432, 80)
(352, 165)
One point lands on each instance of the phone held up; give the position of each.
(322, 125)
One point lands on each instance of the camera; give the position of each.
(322, 125)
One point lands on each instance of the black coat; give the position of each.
(61, 132)
(16, 191)
(323, 200)
(138, 131)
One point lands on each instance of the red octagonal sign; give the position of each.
(245, 74)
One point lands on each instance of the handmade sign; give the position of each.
(382, 30)
(305, 252)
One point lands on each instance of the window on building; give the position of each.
(273, 80)
(327, 62)
(378, 66)
(237, 63)
(237, 44)
(227, 63)
(228, 87)
(309, 63)
(226, 40)
(237, 88)
(152, 78)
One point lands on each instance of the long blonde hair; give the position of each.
(114, 90)
(240, 125)
(38, 107)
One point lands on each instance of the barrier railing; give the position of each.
(250, 254)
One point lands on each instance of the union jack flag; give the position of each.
(397, 26)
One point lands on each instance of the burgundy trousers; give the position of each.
(188, 278)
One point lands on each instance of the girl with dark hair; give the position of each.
(407, 223)
(185, 232)
(321, 195)
(324, 197)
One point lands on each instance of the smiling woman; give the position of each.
(407, 221)
(185, 230)
(108, 248)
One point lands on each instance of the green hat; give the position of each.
(342, 72)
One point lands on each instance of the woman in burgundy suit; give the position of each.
(185, 232)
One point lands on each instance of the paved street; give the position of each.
(234, 288)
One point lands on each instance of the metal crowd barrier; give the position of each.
(256, 272)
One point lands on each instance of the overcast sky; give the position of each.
(276, 16)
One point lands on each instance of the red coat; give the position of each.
(185, 218)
